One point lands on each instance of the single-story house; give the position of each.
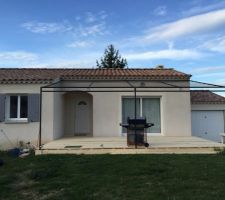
(46, 104)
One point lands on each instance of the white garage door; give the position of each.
(208, 124)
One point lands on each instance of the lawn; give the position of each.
(167, 177)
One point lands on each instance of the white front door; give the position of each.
(82, 118)
(208, 124)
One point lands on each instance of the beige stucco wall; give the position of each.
(26, 132)
(47, 125)
(58, 110)
(20, 88)
(52, 116)
(106, 114)
(175, 113)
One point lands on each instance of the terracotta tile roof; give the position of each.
(206, 97)
(48, 74)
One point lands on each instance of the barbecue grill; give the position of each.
(137, 131)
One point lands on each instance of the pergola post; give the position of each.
(135, 116)
(40, 119)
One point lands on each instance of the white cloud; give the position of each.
(80, 29)
(22, 56)
(204, 8)
(170, 54)
(66, 63)
(80, 44)
(170, 44)
(88, 25)
(185, 26)
(216, 74)
(44, 27)
(208, 70)
(91, 17)
(81, 62)
(95, 24)
(87, 60)
(17, 58)
(92, 30)
(217, 44)
(64, 60)
(160, 11)
(102, 14)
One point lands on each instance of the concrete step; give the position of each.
(170, 150)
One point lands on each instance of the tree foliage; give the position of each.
(111, 59)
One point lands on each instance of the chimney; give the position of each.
(159, 67)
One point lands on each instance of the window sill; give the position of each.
(16, 121)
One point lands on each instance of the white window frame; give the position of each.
(141, 98)
(18, 118)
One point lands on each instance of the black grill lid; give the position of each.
(138, 120)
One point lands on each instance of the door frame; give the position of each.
(73, 98)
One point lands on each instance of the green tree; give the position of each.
(111, 59)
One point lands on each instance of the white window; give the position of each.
(146, 107)
(17, 107)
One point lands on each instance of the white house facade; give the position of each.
(48, 104)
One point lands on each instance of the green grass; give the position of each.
(103, 177)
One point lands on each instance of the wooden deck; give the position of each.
(118, 145)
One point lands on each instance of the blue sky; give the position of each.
(186, 35)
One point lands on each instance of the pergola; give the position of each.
(67, 84)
